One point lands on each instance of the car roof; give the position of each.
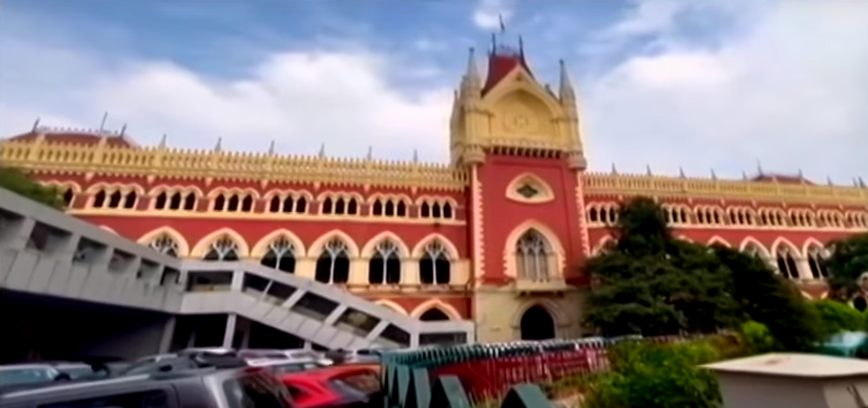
(25, 366)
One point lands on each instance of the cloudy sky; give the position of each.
(697, 85)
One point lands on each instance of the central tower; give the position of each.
(521, 143)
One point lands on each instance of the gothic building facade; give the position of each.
(496, 236)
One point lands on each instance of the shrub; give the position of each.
(838, 317)
(757, 338)
(658, 376)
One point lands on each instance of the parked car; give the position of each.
(19, 376)
(211, 387)
(345, 386)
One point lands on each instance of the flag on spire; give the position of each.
(502, 25)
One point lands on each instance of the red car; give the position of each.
(341, 386)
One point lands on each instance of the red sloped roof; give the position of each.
(782, 178)
(500, 64)
(77, 137)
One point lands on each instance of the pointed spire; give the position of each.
(123, 129)
(743, 175)
(36, 124)
(415, 156)
(271, 147)
(829, 181)
(163, 141)
(861, 182)
(648, 170)
(801, 175)
(370, 152)
(472, 69)
(713, 174)
(614, 170)
(521, 46)
(759, 167)
(565, 91)
(322, 151)
(681, 172)
(219, 146)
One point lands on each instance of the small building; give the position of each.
(793, 381)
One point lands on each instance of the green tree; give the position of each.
(769, 299)
(838, 317)
(20, 183)
(849, 260)
(650, 283)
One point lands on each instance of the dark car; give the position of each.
(214, 387)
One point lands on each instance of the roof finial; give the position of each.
(648, 170)
(565, 91)
(829, 181)
(743, 175)
(614, 170)
(322, 151)
(502, 25)
(681, 172)
(801, 175)
(713, 174)
(471, 76)
(271, 147)
(123, 130)
(415, 156)
(861, 182)
(370, 152)
(759, 167)
(219, 146)
(102, 124)
(36, 124)
(163, 140)
(521, 46)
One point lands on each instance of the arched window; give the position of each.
(333, 265)
(165, 244)
(280, 255)
(223, 249)
(532, 253)
(385, 266)
(433, 315)
(787, 264)
(68, 195)
(816, 263)
(434, 267)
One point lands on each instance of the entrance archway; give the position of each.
(537, 324)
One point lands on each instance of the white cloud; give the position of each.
(787, 88)
(300, 98)
(488, 13)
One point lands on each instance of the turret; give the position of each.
(471, 83)
(566, 94)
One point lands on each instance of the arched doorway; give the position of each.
(433, 315)
(537, 324)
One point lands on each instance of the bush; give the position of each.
(838, 317)
(758, 338)
(658, 376)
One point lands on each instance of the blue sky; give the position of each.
(670, 84)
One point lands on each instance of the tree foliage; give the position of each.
(838, 317)
(20, 183)
(650, 283)
(849, 260)
(651, 375)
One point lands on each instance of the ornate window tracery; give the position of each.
(115, 197)
(340, 205)
(438, 209)
(532, 255)
(280, 255)
(385, 265)
(787, 264)
(435, 267)
(291, 203)
(816, 262)
(389, 207)
(333, 265)
(233, 202)
(223, 249)
(165, 244)
(175, 201)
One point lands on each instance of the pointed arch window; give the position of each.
(223, 249)
(99, 199)
(165, 244)
(115, 199)
(787, 264)
(532, 255)
(68, 196)
(816, 261)
(433, 315)
(435, 267)
(385, 265)
(280, 255)
(333, 265)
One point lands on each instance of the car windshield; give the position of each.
(14, 376)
